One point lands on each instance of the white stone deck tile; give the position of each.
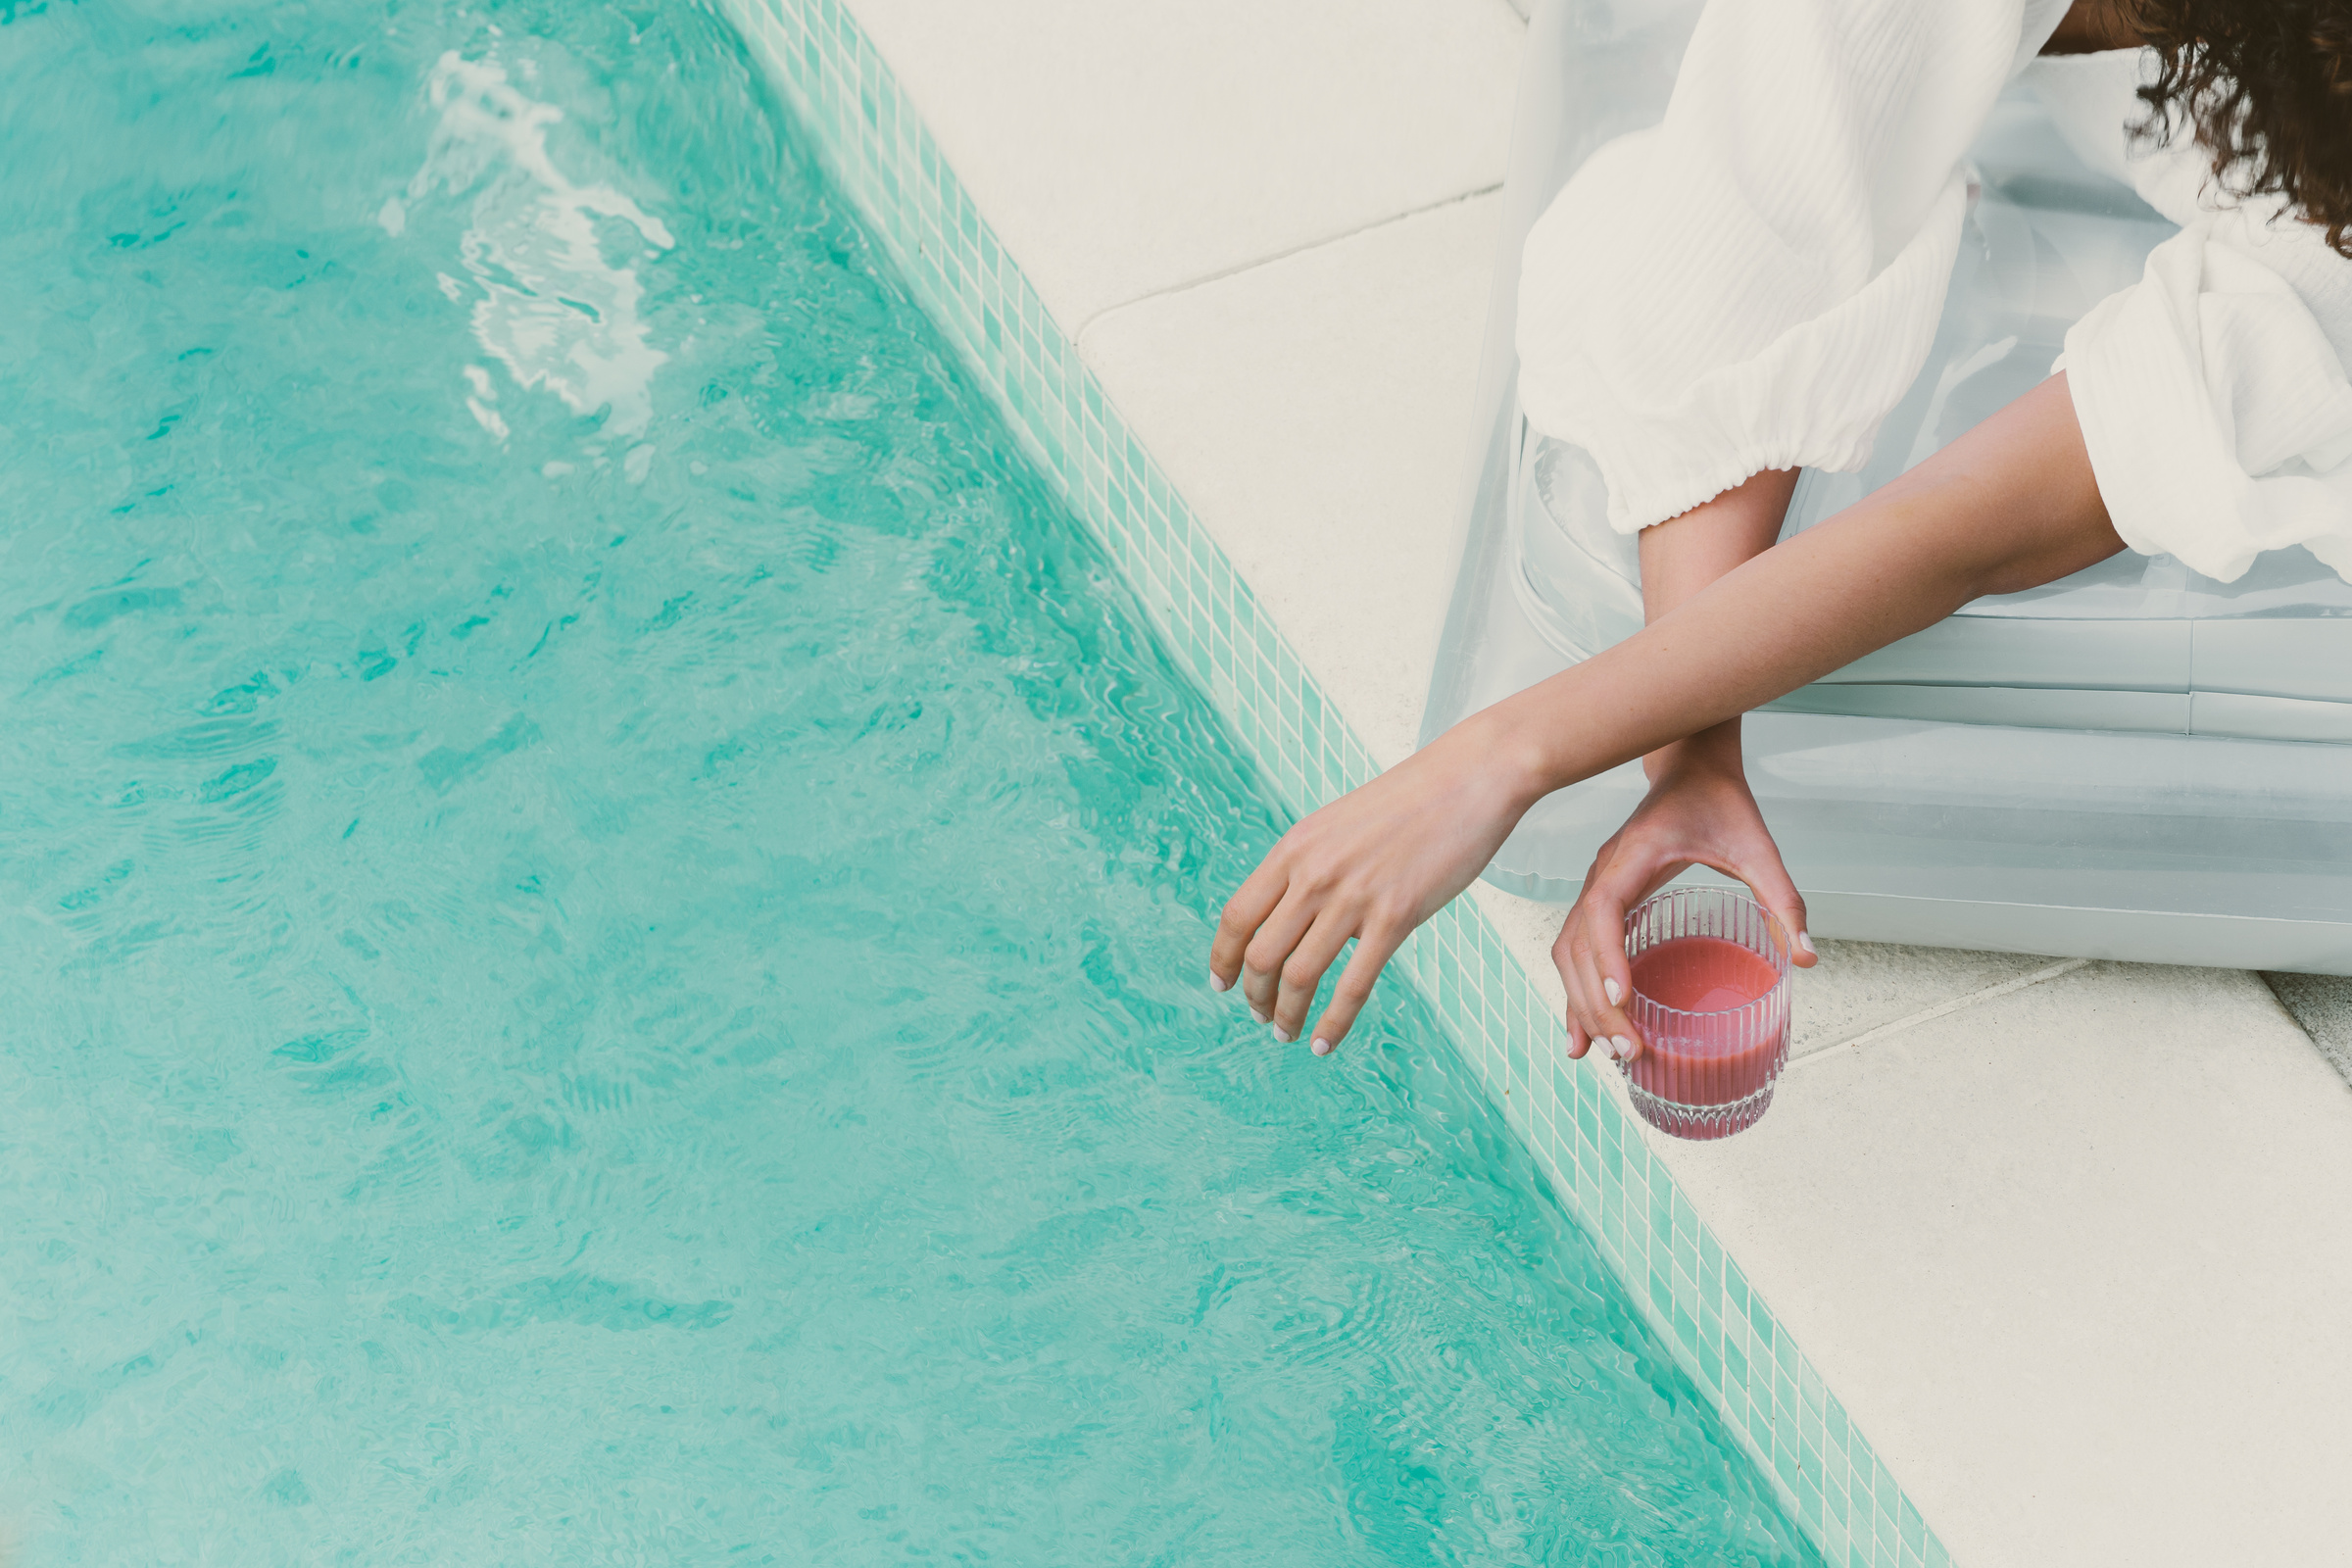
(2076, 1260)
(1121, 147)
(1315, 412)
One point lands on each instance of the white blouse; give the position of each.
(1754, 283)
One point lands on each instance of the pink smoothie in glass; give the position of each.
(1702, 974)
(1711, 1065)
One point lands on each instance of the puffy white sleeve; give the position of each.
(1754, 282)
(2216, 412)
(2212, 393)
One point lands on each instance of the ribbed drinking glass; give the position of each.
(1711, 999)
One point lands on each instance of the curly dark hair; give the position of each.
(2266, 87)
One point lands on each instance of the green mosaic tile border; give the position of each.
(1720, 1331)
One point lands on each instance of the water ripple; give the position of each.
(605, 899)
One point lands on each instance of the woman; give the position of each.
(1747, 289)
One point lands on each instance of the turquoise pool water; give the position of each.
(603, 903)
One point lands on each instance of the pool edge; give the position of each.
(873, 141)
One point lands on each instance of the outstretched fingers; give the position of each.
(1300, 972)
(1377, 942)
(1370, 867)
(1251, 903)
(1270, 950)
(1277, 942)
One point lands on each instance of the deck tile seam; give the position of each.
(1302, 248)
(1941, 1009)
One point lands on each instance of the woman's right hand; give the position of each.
(1700, 812)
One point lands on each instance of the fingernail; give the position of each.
(1805, 942)
(1622, 1045)
(1217, 982)
(1260, 1016)
(1610, 986)
(1286, 1039)
(1322, 1047)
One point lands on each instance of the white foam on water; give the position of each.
(551, 309)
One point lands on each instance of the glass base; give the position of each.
(1699, 1123)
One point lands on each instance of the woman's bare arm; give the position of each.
(1698, 810)
(1685, 554)
(2009, 505)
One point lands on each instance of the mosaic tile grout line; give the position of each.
(1721, 1333)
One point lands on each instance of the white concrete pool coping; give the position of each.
(2064, 1237)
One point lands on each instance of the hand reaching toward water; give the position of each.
(1700, 812)
(1371, 865)
(2011, 504)
(1333, 875)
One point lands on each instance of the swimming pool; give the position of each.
(605, 900)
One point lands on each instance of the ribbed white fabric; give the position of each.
(1754, 283)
